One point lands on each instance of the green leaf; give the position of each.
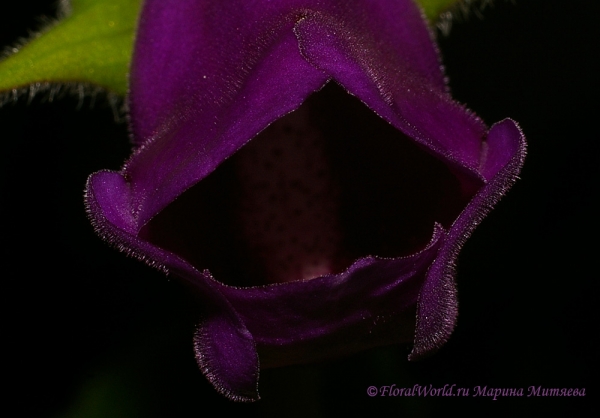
(93, 44)
(433, 8)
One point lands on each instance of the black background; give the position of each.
(89, 333)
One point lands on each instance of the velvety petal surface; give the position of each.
(209, 76)
(224, 348)
(370, 304)
(437, 306)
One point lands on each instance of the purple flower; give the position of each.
(300, 165)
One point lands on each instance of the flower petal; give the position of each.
(208, 76)
(228, 358)
(371, 304)
(199, 91)
(387, 59)
(438, 306)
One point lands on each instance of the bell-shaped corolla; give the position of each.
(301, 165)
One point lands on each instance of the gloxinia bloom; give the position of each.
(301, 165)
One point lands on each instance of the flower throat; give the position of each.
(320, 187)
(289, 206)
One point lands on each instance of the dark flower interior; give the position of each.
(376, 193)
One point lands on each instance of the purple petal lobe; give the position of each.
(228, 358)
(226, 355)
(386, 77)
(195, 102)
(438, 306)
(370, 304)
